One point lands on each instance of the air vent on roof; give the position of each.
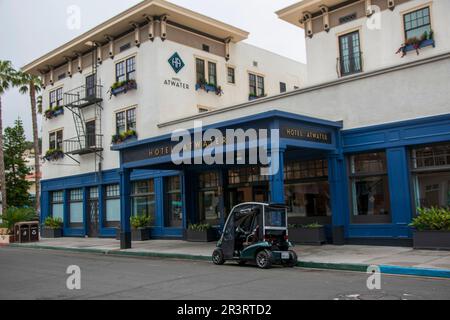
(61, 76)
(125, 47)
(205, 47)
(255, 63)
(347, 18)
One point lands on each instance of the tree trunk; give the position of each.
(2, 163)
(37, 164)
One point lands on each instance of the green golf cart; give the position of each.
(256, 232)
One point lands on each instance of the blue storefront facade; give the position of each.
(367, 180)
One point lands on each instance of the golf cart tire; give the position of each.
(217, 257)
(294, 259)
(264, 259)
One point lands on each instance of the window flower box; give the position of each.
(200, 233)
(311, 235)
(123, 87)
(126, 136)
(54, 155)
(209, 88)
(415, 44)
(54, 112)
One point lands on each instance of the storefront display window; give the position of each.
(209, 199)
(112, 205)
(370, 188)
(174, 202)
(431, 175)
(143, 199)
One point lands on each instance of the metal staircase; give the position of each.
(79, 101)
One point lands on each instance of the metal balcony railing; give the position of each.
(81, 145)
(83, 96)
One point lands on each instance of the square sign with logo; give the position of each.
(176, 63)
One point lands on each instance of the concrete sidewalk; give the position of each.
(391, 260)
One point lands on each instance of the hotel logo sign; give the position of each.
(176, 62)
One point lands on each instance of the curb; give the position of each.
(384, 269)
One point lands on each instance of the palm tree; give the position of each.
(32, 85)
(7, 74)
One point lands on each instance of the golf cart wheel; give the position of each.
(294, 259)
(217, 257)
(264, 259)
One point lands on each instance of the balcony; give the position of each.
(84, 144)
(83, 96)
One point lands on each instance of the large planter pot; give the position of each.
(51, 233)
(311, 236)
(434, 240)
(201, 236)
(141, 234)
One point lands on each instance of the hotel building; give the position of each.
(364, 127)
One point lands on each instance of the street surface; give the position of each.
(41, 274)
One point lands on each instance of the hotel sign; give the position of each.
(176, 62)
(306, 134)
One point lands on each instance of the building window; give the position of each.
(76, 207)
(212, 73)
(112, 217)
(143, 199)
(256, 85)
(246, 175)
(370, 188)
(56, 98)
(200, 70)
(125, 120)
(209, 199)
(126, 70)
(431, 176)
(307, 190)
(56, 140)
(58, 204)
(283, 87)
(174, 202)
(417, 23)
(231, 75)
(350, 54)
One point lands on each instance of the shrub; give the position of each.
(15, 215)
(200, 227)
(140, 221)
(53, 223)
(432, 219)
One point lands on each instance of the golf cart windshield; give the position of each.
(275, 217)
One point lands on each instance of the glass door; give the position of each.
(350, 54)
(173, 215)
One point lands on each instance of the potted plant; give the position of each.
(53, 228)
(432, 228)
(202, 232)
(415, 43)
(123, 87)
(54, 155)
(140, 227)
(124, 136)
(312, 234)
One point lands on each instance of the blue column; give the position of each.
(277, 179)
(338, 194)
(399, 190)
(125, 208)
(66, 209)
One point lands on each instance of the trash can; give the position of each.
(338, 236)
(26, 232)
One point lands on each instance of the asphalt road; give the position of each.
(41, 274)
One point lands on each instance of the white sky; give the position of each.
(31, 28)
